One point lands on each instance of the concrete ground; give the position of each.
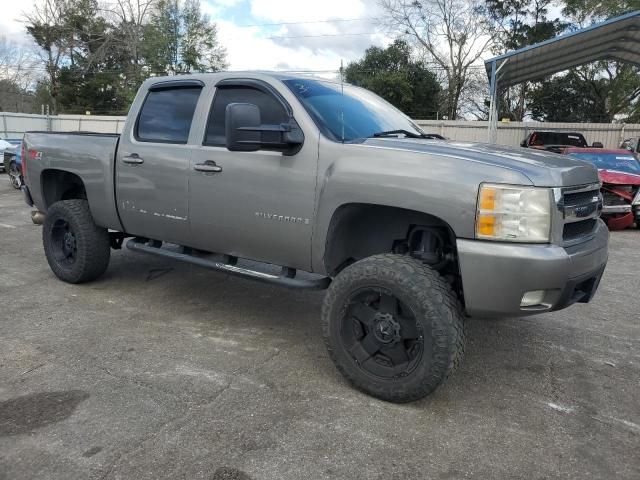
(163, 370)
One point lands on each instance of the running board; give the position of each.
(287, 278)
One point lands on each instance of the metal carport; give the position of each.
(614, 39)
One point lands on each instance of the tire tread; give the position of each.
(95, 251)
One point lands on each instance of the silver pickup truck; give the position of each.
(309, 183)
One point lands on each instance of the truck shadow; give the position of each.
(502, 355)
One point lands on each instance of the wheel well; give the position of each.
(360, 230)
(60, 185)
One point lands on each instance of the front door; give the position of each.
(153, 164)
(256, 205)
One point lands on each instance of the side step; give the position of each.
(287, 278)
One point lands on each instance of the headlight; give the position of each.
(513, 214)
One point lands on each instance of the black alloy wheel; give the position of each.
(393, 327)
(382, 334)
(64, 245)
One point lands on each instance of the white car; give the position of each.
(6, 146)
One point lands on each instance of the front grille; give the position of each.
(613, 199)
(579, 198)
(580, 210)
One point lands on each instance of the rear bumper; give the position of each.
(495, 276)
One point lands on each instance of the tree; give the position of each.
(611, 89)
(46, 25)
(399, 79)
(130, 17)
(199, 47)
(180, 39)
(582, 10)
(453, 33)
(95, 57)
(517, 24)
(161, 36)
(586, 95)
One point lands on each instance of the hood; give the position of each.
(543, 168)
(615, 177)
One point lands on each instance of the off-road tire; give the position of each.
(437, 311)
(93, 248)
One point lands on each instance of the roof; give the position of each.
(614, 39)
(258, 74)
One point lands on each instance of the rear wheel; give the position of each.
(14, 174)
(393, 327)
(76, 248)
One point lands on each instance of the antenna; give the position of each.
(342, 91)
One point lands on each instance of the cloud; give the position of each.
(248, 49)
(315, 46)
(315, 33)
(311, 10)
(12, 25)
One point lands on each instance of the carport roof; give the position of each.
(614, 39)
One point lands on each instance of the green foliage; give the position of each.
(179, 39)
(199, 49)
(161, 35)
(600, 9)
(96, 62)
(395, 76)
(518, 23)
(598, 93)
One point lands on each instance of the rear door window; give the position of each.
(166, 115)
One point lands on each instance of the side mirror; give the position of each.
(246, 133)
(598, 145)
(240, 119)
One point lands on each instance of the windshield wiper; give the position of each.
(406, 133)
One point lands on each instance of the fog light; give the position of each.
(534, 297)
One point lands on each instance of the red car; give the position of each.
(620, 176)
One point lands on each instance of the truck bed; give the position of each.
(88, 155)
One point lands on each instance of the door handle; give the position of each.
(133, 159)
(209, 166)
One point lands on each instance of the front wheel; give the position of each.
(394, 328)
(76, 248)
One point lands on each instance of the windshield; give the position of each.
(355, 115)
(557, 138)
(611, 161)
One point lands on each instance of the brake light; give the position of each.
(23, 160)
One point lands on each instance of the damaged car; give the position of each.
(619, 172)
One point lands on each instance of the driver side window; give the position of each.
(271, 111)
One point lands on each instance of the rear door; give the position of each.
(153, 163)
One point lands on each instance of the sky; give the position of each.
(290, 34)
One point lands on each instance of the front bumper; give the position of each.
(495, 275)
